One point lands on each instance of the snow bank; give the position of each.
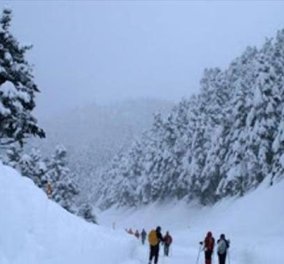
(254, 224)
(35, 230)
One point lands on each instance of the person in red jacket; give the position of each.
(167, 242)
(209, 243)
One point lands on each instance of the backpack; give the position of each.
(209, 243)
(222, 246)
(168, 240)
(152, 238)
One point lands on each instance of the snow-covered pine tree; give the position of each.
(17, 88)
(201, 136)
(13, 156)
(33, 166)
(264, 115)
(278, 143)
(234, 155)
(30, 164)
(59, 176)
(215, 94)
(86, 212)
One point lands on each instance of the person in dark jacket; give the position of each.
(155, 237)
(222, 248)
(137, 234)
(167, 242)
(209, 243)
(143, 236)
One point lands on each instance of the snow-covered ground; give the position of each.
(34, 230)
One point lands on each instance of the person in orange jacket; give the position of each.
(48, 190)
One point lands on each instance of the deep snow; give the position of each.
(35, 230)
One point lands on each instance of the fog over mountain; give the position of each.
(94, 134)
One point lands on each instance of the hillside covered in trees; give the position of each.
(222, 142)
(94, 134)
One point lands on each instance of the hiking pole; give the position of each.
(199, 250)
(228, 256)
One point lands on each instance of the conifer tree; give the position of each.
(64, 189)
(86, 212)
(17, 89)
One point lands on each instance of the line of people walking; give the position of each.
(167, 239)
(155, 238)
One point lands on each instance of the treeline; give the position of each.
(223, 142)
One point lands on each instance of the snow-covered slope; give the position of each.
(254, 224)
(34, 230)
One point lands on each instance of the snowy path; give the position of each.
(253, 224)
(179, 254)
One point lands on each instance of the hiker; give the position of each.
(48, 190)
(167, 242)
(154, 238)
(222, 246)
(137, 234)
(130, 232)
(208, 246)
(143, 236)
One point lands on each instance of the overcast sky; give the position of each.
(98, 51)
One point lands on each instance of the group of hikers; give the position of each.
(137, 234)
(155, 237)
(208, 245)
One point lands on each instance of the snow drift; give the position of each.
(36, 230)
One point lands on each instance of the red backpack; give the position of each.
(209, 243)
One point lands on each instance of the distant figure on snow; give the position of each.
(222, 246)
(49, 190)
(137, 234)
(143, 236)
(130, 231)
(167, 242)
(154, 238)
